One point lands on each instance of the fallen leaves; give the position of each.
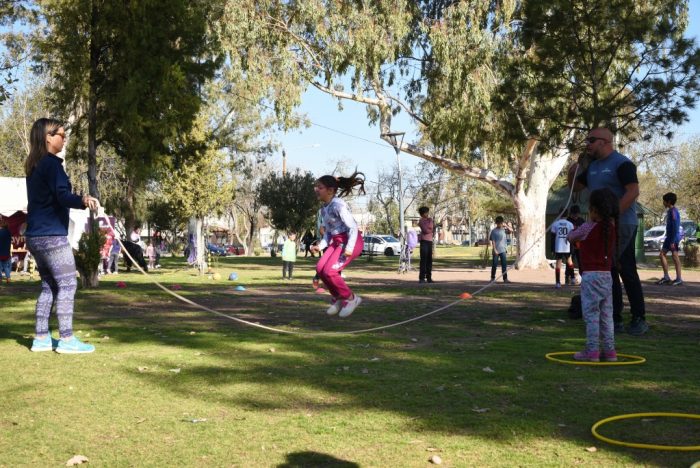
(488, 369)
(591, 449)
(435, 460)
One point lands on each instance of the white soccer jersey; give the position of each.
(561, 229)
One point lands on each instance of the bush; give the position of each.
(88, 258)
(690, 250)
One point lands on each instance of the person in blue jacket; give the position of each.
(49, 199)
(673, 239)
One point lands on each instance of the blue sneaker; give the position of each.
(74, 346)
(43, 344)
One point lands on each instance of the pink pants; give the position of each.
(334, 261)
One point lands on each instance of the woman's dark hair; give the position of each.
(344, 185)
(37, 142)
(607, 205)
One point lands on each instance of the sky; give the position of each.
(346, 136)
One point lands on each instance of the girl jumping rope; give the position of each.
(598, 238)
(341, 236)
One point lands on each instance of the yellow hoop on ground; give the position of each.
(637, 360)
(684, 448)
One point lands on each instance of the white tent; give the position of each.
(13, 195)
(13, 198)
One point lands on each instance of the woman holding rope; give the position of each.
(341, 236)
(49, 197)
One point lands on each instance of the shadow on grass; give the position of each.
(315, 459)
(476, 369)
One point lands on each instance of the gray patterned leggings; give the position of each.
(596, 302)
(56, 266)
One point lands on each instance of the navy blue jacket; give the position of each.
(49, 198)
(5, 243)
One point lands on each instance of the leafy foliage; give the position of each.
(87, 258)
(200, 183)
(290, 200)
(15, 17)
(127, 74)
(623, 64)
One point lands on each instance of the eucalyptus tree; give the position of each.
(503, 89)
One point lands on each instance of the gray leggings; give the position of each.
(56, 266)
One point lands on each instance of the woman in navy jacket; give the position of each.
(50, 197)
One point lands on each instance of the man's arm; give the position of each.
(627, 174)
(630, 195)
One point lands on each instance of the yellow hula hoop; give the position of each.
(636, 360)
(684, 448)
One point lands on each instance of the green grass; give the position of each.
(392, 398)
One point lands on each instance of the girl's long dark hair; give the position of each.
(37, 142)
(606, 204)
(344, 185)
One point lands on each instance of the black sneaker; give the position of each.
(637, 326)
(619, 327)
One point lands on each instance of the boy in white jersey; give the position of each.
(562, 249)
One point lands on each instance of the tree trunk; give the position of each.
(251, 234)
(92, 108)
(201, 246)
(531, 207)
(89, 280)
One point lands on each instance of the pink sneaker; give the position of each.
(592, 356)
(610, 356)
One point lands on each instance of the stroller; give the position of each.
(136, 252)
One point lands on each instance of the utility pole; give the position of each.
(397, 148)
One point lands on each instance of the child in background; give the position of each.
(499, 247)
(5, 251)
(113, 266)
(562, 249)
(104, 253)
(598, 238)
(425, 223)
(673, 239)
(341, 236)
(289, 256)
(151, 254)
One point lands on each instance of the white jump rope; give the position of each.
(310, 334)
